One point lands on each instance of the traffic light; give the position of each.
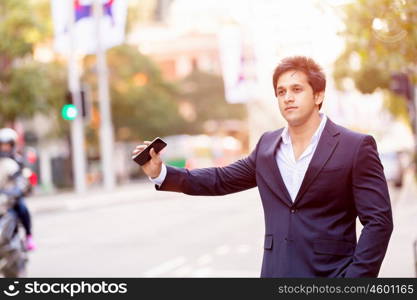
(85, 103)
(70, 111)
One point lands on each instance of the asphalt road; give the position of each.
(151, 234)
(138, 232)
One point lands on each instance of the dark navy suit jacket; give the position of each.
(315, 235)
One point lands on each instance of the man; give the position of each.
(314, 178)
(8, 138)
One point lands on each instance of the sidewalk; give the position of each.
(399, 260)
(94, 197)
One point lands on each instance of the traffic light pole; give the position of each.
(106, 126)
(77, 129)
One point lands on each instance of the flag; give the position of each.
(112, 25)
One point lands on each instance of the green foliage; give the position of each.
(23, 92)
(23, 82)
(20, 28)
(142, 101)
(368, 79)
(55, 74)
(205, 93)
(144, 105)
(381, 38)
(397, 105)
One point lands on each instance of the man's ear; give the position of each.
(319, 97)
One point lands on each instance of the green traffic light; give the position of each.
(69, 112)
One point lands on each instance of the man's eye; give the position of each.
(281, 93)
(297, 89)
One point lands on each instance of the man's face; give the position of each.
(296, 98)
(5, 148)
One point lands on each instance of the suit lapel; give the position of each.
(275, 178)
(325, 148)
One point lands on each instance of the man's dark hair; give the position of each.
(308, 66)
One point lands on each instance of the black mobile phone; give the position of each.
(143, 157)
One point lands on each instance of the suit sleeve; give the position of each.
(373, 206)
(236, 177)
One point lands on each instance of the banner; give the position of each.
(112, 25)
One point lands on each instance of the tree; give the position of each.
(381, 39)
(204, 94)
(22, 85)
(143, 104)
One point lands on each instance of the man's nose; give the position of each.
(289, 97)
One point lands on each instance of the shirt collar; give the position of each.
(286, 138)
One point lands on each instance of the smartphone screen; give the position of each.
(142, 158)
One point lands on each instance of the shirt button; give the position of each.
(293, 211)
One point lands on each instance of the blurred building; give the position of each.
(176, 51)
(176, 54)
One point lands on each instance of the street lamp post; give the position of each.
(106, 126)
(77, 129)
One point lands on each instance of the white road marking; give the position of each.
(204, 259)
(183, 271)
(242, 249)
(202, 272)
(165, 267)
(222, 250)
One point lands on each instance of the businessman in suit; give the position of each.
(314, 178)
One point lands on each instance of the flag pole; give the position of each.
(106, 126)
(77, 129)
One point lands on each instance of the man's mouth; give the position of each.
(289, 108)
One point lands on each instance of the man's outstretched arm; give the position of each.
(238, 176)
(235, 177)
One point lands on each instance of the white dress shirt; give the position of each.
(292, 171)
(158, 180)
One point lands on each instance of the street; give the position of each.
(144, 233)
(138, 232)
